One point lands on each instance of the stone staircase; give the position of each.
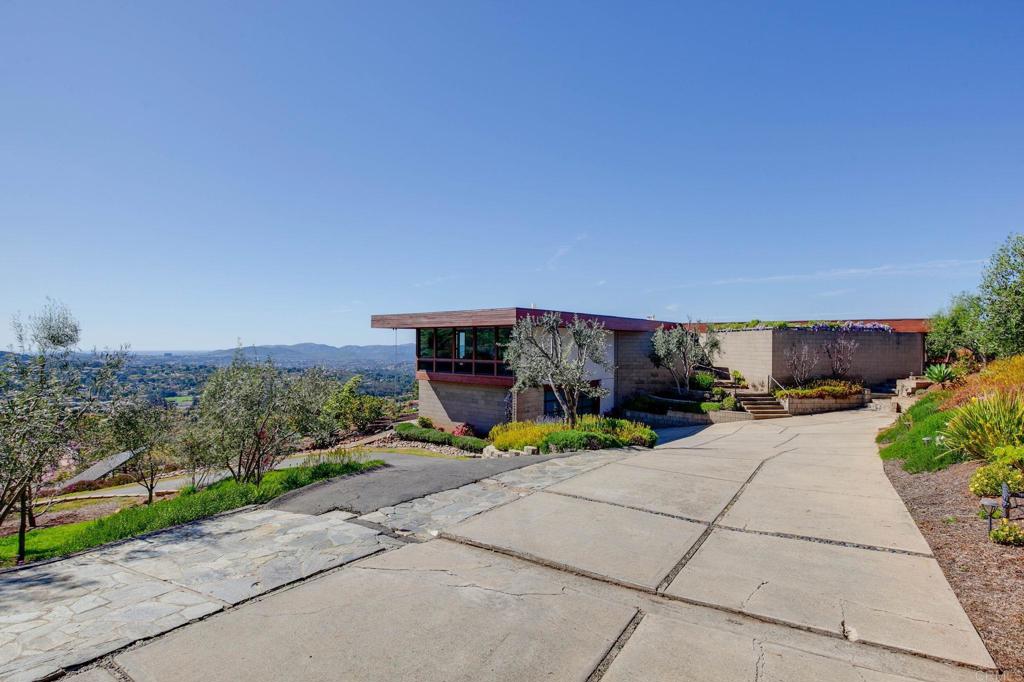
(762, 405)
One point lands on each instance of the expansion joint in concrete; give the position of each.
(616, 647)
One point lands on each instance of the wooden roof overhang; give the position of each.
(504, 317)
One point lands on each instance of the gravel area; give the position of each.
(987, 578)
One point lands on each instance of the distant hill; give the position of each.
(308, 354)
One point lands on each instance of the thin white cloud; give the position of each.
(889, 270)
(564, 250)
(834, 292)
(433, 281)
(602, 282)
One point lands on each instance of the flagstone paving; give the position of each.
(67, 612)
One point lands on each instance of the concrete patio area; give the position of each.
(760, 551)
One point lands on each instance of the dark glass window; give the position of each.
(425, 365)
(464, 344)
(485, 343)
(443, 366)
(425, 345)
(587, 404)
(463, 367)
(504, 334)
(484, 369)
(444, 343)
(504, 370)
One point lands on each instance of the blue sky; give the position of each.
(184, 175)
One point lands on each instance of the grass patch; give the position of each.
(904, 440)
(222, 496)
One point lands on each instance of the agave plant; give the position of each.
(939, 374)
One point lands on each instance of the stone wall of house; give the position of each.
(748, 351)
(635, 373)
(478, 405)
(879, 356)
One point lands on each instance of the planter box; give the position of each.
(687, 418)
(797, 406)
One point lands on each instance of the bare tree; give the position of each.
(45, 391)
(800, 362)
(680, 349)
(840, 351)
(546, 351)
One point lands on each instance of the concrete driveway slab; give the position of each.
(235, 557)
(625, 545)
(669, 649)
(698, 464)
(891, 599)
(875, 522)
(802, 473)
(692, 497)
(431, 611)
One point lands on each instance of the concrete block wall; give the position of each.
(750, 353)
(635, 373)
(879, 356)
(480, 406)
(528, 404)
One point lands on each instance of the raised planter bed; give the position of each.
(674, 418)
(797, 406)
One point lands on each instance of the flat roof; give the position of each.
(506, 317)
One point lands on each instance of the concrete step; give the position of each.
(771, 416)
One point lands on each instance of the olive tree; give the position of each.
(45, 391)
(145, 430)
(548, 351)
(959, 326)
(1002, 294)
(350, 410)
(680, 349)
(255, 415)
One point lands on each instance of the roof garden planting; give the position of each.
(810, 325)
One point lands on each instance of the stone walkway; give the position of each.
(754, 551)
(67, 612)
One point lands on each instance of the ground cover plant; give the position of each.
(189, 505)
(591, 432)
(823, 388)
(660, 406)
(410, 431)
(912, 438)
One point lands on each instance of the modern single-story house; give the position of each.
(462, 378)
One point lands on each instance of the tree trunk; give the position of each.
(21, 528)
(31, 514)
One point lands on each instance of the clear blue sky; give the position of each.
(186, 174)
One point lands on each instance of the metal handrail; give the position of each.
(772, 380)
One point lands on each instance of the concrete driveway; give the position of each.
(758, 551)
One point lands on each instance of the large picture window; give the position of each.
(463, 350)
(587, 405)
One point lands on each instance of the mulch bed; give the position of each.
(987, 578)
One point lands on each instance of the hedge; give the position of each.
(410, 431)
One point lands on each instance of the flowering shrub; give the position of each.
(979, 427)
(823, 388)
(463, 430)
(574, 439)
(629, 432)
(517, 435)
(989, 479)
(813, 325)
(1007, 533)
(1001, 376)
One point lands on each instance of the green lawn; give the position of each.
(180, 399)
(904, 440)
(222, 496)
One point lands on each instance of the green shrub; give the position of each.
(729, 403)
(425, 422)
(939, 373)
(629, 432)
(1006, 533)
(718, 393)
(917, 453)
(988, 479)
(738, 377)
(703, 381)
(573, 439)
(981, 425)
(410, 431)
(710, 407)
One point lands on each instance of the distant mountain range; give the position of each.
(295, 355)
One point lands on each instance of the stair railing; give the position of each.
(772, 380)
